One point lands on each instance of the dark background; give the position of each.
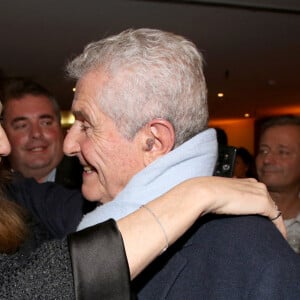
(251, 48)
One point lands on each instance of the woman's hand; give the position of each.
(233, 196)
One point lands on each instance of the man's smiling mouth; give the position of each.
(88, 169)
(37, 149)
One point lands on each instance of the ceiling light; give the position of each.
(220, 95)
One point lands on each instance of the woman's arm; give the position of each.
(49, 266)
(145, 236)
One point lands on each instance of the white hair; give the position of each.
(152, 74)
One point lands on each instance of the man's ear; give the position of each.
(158, 139)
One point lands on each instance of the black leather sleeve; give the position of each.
(100, 267)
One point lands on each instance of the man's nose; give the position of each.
(71, 142)
(36, 131)
(269, 157)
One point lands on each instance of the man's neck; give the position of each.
(288, 202)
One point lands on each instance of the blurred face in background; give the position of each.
(240, 168)
(35, 135)
(278, 159)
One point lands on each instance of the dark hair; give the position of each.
(248, 159)
(269, 122)
(221, 136)
(18, 87)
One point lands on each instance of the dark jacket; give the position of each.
(225, 258)
(69, 173)
(57, 208)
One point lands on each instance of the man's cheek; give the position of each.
(18, 140)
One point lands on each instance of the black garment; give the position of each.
(69, 174)
(112, 279)
(46, 273)
(57, 208)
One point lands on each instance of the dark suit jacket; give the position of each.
(59, 209)
(224, 258)
(69, 173)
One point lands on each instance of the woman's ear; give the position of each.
(158, 139)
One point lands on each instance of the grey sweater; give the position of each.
(44, 273)
(91, 264)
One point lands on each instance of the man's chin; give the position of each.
(91, 192)
(272, 185)
(38, 164)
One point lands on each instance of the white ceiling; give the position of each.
(251, 53)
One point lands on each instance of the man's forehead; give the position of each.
(280, 130)
(30, 103)
(282, 134)
(16, 113)
(85, 99)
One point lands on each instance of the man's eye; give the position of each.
(284, 152)
(46, 122)
(263, 151)
(84, 127)
(19, 126)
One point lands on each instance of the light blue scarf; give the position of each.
(196, 157)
